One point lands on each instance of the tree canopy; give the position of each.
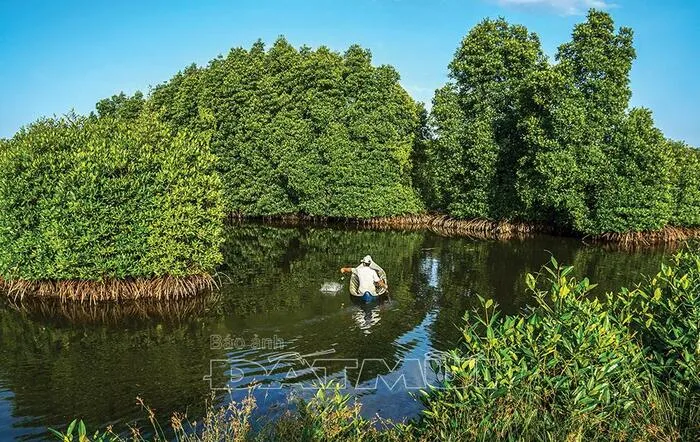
(512, 136)
(520, 138)
(302, 131)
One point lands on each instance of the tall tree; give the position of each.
(599, 61)
(476, 132)
(572, 117)
(553, 180)
(303, 131)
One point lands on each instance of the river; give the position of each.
(270, 324)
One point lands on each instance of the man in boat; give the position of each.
(368, 276)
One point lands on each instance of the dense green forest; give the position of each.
(520, 138)
(297, 131)
(513, 136)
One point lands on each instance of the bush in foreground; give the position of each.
(105, 208)
(576, 368)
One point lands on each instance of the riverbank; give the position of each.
(476, 228)
(163, 288)
(182, 288)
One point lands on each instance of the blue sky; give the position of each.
(62, 55)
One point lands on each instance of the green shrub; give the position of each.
(100, 199)
(664, 313)
(686, 184)
(567, 370)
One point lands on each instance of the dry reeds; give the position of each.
(667, 235)
(161, 288)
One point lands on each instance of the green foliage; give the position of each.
(463, 157)
(518, 138)
(556, 176)
(303, 131)
(91, 199)
(664, 313)
(589, 166)
(328, 415)
(599, 61)
(686, 184)
(78, 427)
(424, 170)
(576, 368)
(637, 195)
(568, 370)
(574, 152)
(511, 137)
(121, 106)
(475, 153)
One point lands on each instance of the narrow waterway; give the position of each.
(271, 326)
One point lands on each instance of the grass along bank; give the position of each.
(570, 368)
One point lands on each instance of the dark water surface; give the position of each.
(270, 322)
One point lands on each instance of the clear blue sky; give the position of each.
(58, 55)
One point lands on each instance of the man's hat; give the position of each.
(366, 260)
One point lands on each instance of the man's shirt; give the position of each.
(367, 278)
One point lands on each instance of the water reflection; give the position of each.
(429, 268)
(61, 362)
(367, 315)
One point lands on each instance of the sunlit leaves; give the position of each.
(572, 366)
(97, 198)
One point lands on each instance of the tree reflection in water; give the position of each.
(58, 362)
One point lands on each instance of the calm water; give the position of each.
(269, 322)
